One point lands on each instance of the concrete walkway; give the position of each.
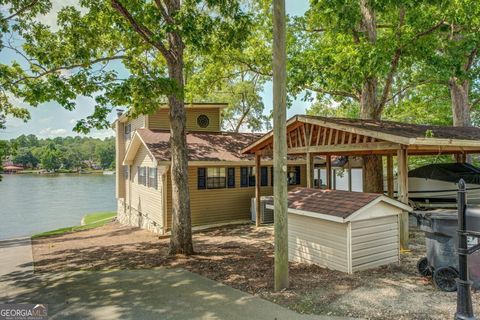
(16, 256)
(127, 294)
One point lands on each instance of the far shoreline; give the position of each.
(72, 172)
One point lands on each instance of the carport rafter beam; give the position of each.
(355, 130)
(342, 148)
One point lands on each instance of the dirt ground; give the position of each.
(242, 257)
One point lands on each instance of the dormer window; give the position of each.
(203, 121)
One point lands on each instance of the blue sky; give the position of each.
(51, 120)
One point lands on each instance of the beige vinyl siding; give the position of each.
(136, 123)
(375, 242)
(317, 241)
(146, 200)
(160, 119)
(212, 206)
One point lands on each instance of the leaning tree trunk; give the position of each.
(181, 237)
(460, 107)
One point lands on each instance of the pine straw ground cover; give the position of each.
(242, 257)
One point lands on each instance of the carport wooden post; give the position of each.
(309, 170)
(402, 160)
(390, 175)
(329, 171)
(280, 194)
(257, 188)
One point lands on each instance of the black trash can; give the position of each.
(440, 227)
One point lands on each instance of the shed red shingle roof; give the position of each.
(202, 146)
(336, 203)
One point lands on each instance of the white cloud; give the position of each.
(50, 19)
(51, 133)
(102, 134)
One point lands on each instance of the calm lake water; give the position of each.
(31, 204)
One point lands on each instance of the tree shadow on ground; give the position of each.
(126, 294)
(242, 257)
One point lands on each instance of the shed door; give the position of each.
(375, 242)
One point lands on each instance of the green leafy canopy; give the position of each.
(94, 53)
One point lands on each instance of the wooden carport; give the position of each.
(314, 135)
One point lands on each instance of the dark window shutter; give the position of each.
(297, 175)
(243, 177)
(145, 176)
(231, 177)
(252, 179)
(202, 178)
(272, 177)
(155, 178)
(264, 176)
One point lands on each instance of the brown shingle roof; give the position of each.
(407, 130)
(336, 203)
(202, 146)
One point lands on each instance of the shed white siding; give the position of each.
(375, 242)
(317, 241)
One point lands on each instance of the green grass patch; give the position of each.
(98, 217)
(92, 220)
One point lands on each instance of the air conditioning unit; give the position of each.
(266, 215)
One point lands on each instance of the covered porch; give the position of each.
(313, 136)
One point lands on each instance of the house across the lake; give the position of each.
(221, 178)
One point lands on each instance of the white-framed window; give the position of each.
(216, 178)
(142, 175)
(152, 178)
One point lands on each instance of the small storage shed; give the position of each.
(342, 230)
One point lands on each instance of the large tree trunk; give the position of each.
(460, 104)
(460, 108)
(369, 105)
(372, 164)
(181, 237)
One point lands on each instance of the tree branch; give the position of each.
(393, 63)
(430, 30)
(163, 12)
(413, 85)
(474, 103)
(319, 30)
(471, 58)
(79, 65)
(143, 31)
(253, 69)
(22, 10)
(339, 93)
